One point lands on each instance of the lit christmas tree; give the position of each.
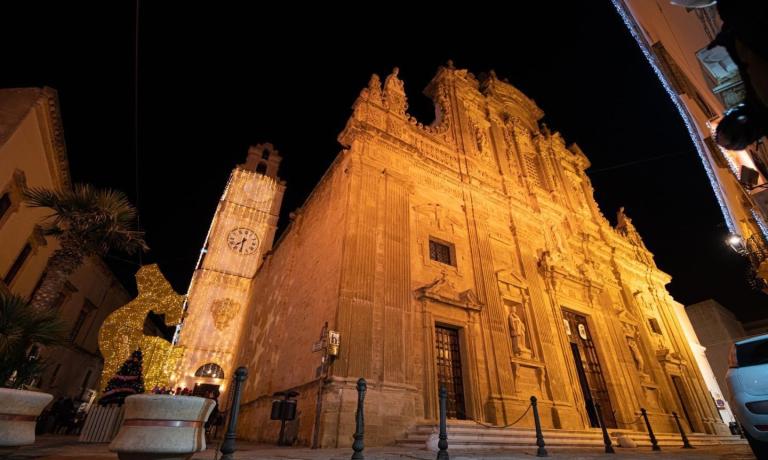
(128, 381)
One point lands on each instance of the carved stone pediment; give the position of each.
(439, 217)
(666, 356)
(442, 290)
(511, 278)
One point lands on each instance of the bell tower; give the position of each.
(241, 232)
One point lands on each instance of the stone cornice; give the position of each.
(53, 133)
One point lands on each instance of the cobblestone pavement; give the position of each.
(67, 448)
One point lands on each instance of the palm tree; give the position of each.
(87, 222)
(21, 328)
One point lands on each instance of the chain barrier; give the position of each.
(505, 426)
(628, 423)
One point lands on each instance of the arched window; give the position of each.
(261, 168)
(265, 154)
(212, 370)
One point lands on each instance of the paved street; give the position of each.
(67, 448)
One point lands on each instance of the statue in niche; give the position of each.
(518, 333)
(637, 356)
(482, 142)
(558, 245)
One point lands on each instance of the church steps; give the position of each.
(464, 436)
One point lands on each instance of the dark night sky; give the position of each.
(214, 79)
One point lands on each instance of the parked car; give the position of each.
(748, 384)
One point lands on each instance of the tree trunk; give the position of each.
(60, 266)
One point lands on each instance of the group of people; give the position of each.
(163, 390)
(64, 416)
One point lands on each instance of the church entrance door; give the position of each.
(588, 369)
(201, 389)
(682, 396)
(449, 374)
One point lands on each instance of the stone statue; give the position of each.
(517, 331)
(637, 356)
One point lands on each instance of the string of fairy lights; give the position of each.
(123, 330)
(692, 130)
(218, 293)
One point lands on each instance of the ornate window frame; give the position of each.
(15, 190)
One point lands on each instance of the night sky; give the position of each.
(214, 79)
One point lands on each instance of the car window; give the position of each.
(752, 353)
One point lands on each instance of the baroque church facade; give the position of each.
(469, 254)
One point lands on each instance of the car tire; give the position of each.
(759, 448)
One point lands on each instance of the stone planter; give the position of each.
(162, 427)
(19, 410)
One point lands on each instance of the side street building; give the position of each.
(33, 154)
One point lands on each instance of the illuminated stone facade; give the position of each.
(242, 231)
(469, 253)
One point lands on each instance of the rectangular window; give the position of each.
(441, 252)
(533, 170)
(17, 264)
(654, 325)
(84, 312)
(5, 204)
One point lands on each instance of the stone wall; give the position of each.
(294, 294)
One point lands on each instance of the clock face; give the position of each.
(243, 241)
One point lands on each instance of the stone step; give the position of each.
(465, 435)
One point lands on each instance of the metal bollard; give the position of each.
(541, 451)
(358, 445)
(654, 442)
(442, 444)
(606, 438)
(228, 447)
(686, 444)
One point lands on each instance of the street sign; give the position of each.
(334, 339)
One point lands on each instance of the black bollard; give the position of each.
(606, 438)
(442, 444)
(541, 451)
(228, 447)
(358, 445)
(686, 444)
(654, 443)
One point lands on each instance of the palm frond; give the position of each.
(22, 326)
(94, 220)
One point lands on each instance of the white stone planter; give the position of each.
(19, 410)
(162, 427)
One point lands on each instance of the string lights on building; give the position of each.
(218, 293)
(692, 130)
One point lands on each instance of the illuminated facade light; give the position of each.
(736, 243)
